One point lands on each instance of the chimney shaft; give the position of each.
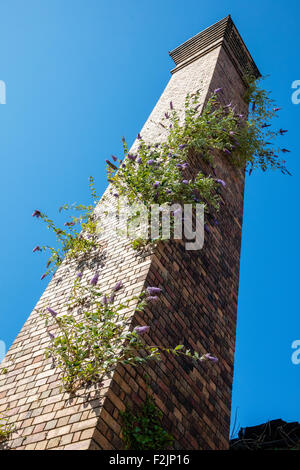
(197, 308)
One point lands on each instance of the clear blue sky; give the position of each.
(80, 74)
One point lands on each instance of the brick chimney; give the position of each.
(197, 308)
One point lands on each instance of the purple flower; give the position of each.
(179, 165)
(43, 276)
(282, 131)
(131, 157)
(171, 105)
(185, 182)
(36, 248)
(222, 182)
(167, 116)
(217, 90)
(156, 184)
(231, 133)
(94, 279)
(228, 105)
(182, 146)
(216, 221)
(104, 300)
(227, 152)
(285, 150)
(185, 165)
(36, 214)
(139, 136)
(141, 329)
(152, 298)
(139, 160)
(118, 286)
(209, 357)
(111, 165)
(53, 313)
(152, 291)
(116, 194)
(206, 228)
(51, 335)
(79, 275)
(150, 162)
(114, 158)
(168, 191)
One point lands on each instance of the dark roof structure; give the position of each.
(273, 435)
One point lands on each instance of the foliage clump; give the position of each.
(161, 173)
(87, 344)
(144, 430)
(78, 237)
(155, 173)
(6, 428)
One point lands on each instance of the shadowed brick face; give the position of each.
(197, 308)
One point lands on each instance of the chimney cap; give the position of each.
(224, 33)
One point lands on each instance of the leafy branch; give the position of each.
(86, 344)
(6, 428)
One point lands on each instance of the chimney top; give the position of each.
(224, 33)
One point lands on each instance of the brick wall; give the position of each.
(198, 308)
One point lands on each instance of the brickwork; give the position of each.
(198, 308)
